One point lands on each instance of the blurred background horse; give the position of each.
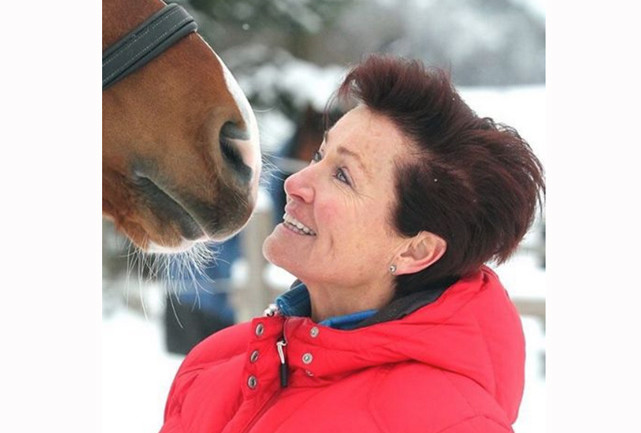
(180, 153)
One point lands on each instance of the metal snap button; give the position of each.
(254, 356)
(314, 332)
(252, 382)
(307, 358)
(260, 328)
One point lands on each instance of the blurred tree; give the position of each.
(298, 19)
(483, 42)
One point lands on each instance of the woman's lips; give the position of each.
(293, 224)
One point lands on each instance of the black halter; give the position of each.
(148, 40)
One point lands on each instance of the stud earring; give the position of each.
(392, 269)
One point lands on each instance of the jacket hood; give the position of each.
(472, 329)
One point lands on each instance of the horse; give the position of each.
(180, 153)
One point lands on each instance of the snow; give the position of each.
(521, 107)
(536, 6)
(136, 373)
(303, 83)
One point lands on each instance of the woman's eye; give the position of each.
(340, 175)
(316, 156)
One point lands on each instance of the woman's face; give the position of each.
(337, 226)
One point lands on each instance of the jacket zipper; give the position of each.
(284, 368)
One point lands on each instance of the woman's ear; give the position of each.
(420, 252)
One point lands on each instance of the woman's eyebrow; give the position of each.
(342, 150)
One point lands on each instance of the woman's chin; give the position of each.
(277, 249)
(272, 248)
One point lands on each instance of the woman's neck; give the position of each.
(329, 300)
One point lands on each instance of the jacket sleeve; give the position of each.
(477, 424)
(216, 348)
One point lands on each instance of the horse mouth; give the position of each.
(169, 210)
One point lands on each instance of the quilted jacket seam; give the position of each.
(468, 419)
(381, 374)
(472, 408)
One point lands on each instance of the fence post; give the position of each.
(253, 295)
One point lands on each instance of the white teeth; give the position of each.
(300, 226)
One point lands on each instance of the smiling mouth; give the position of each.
(296, 226)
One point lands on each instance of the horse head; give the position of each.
(180, 151)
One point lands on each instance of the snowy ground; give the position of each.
(137, 371)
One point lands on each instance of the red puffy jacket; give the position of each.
(453, 366)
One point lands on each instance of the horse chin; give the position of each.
(182, 223)
(171, 246)
(152, 231)
(168, 242)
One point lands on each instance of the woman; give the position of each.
(395, 324)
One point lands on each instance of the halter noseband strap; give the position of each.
(148, 40)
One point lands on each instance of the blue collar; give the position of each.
(296, 302)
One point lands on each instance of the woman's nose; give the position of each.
(298, 185)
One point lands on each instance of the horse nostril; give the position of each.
(231, 130)
(229, 145)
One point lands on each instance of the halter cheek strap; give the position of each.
(145, 42)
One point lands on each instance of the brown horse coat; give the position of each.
(180, 149)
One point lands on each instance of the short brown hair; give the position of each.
(473, 182)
